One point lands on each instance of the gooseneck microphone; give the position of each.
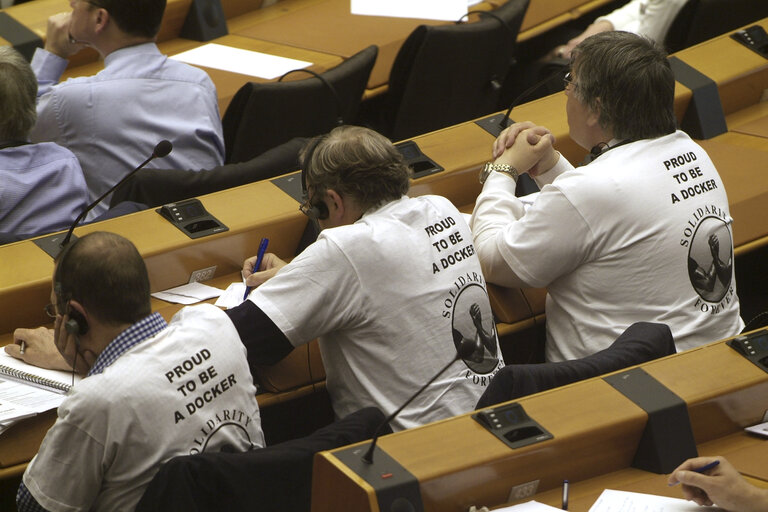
(465, 350)
(51, 245)
(496, 123)
(161, 149)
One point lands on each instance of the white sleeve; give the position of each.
(650, 18)
(533, 247)
(624, 17)
(62, 478)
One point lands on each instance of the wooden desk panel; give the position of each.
(596, 431)
(329, 27)
(741, 74)
(745, 452)
(543, 15)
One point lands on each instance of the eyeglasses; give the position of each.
(51, 310)
(568, 80)
(306, 207)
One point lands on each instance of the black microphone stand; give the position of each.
(51, 244)
(465, 350)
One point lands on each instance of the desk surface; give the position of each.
(596, 431)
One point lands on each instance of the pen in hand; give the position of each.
(702, 469)
(257, 265)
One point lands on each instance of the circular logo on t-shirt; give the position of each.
(473, 322)
(710, 259)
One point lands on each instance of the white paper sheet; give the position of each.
(528, 506)
(622, 501)
(237, 60)
(445, 10)
(191, 293)
(232, 296)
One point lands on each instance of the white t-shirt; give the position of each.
(650, 18)
(390, 298)
(184, 391)
(629, 237)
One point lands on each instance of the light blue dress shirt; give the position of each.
(113, 120)
(42, 189)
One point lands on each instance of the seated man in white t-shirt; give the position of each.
(642, 233)
(153, 390)
(391, 287)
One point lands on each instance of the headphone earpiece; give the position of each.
(76, 325)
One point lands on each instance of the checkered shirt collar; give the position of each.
(132, 336)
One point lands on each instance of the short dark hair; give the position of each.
(18, 95)
(357, 162)
(106, 274)
(627, 79)
(135, 17)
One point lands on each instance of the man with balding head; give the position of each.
(153, 390)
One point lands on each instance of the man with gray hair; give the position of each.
(42, 188)
(642, 233)
(391, 287)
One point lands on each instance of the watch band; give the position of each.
(502, 168)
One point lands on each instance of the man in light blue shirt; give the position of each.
(113, 120)
(42, 188)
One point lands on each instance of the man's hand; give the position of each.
(40, 348)
(507, 138)
(531, 152)
(722, 486)
(255, 277)
(57, 37)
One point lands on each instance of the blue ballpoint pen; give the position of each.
(259, 257)
(703, 469)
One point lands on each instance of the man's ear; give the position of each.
(593, 116)
(335, 204)
(102, 20)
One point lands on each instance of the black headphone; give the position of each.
(318, 210)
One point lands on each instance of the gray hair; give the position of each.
(356, 162)
(18, 93)
(627, 80)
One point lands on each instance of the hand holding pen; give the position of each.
(714, 481)
(256, 265)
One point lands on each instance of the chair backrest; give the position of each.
(700, 20)
(640, 342)
(278, 477)
(448, 74)
(155, 187)
(264, 115)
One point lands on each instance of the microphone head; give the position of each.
(468, 347)
(163, 148)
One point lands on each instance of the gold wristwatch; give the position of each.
(502, 168)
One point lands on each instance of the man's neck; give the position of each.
(118, 44)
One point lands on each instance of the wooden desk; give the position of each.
(596, 432)
(314, 24)
(228, 83)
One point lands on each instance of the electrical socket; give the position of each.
(523, 491)
(203, 274)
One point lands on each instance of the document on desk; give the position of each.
(191, 293)
(528, 506)
(622, 501)
(232, 296)
(237, 60)
(444, 10)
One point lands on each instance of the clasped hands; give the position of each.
(526, 147)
